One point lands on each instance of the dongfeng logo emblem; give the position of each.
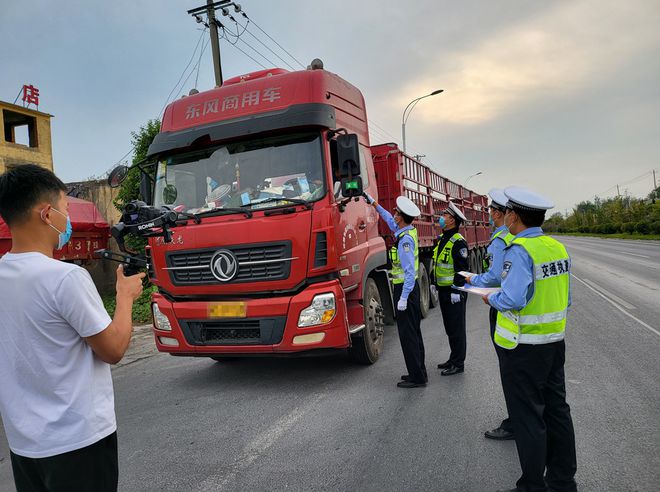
(224, 265)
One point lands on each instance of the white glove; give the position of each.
(434, 290)
(402, 305)
(368, 198)
(455, 298)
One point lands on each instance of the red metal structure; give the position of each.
(90, 232)
(279, 263)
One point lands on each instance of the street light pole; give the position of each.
(471, 176)
(404, 116)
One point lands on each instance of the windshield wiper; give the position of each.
(226, 211)
(297, 201)
(194, 217)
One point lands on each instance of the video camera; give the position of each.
(145, 221)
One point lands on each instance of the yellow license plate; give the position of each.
(227, 310)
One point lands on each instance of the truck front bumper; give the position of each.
(268, 326)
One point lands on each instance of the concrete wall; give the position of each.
(13, 153)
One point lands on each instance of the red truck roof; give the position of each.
(269, 91)
(399, 174)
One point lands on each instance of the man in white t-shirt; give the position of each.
(56, 344)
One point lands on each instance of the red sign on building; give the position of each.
(31, 95)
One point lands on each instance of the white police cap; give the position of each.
(497, 198)
(453, 210)
(407, 206)
(526, 199)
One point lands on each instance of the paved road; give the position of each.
(323, 424)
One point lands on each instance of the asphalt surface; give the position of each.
(325, 424)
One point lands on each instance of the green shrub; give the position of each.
(141, 307)
(643, 227)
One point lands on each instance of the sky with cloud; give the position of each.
(561, 96)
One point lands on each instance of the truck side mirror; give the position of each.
(348, 156)
(117, 176)
(145, 188)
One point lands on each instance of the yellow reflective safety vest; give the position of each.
(543, 319)
(507, 240)
(397, 273)
(444, 262)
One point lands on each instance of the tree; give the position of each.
(130, 188)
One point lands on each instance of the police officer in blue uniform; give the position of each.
(450, 256)
(492, 277)
(532, 307)
(405, 263)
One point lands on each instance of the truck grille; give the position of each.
(253, 331)
(257, 263)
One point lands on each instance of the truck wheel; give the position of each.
(424, 293)
(432, 302)
(367, 344)
(471, 261)
(480, 261)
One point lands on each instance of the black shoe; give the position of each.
(406, 377)
(410, 384)
(499, 434)
(445, 365)
(451, 370)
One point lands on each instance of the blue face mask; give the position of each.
(491, 221)
(442, 222)
(65, 236)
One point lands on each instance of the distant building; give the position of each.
(24, 137)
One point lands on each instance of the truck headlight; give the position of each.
(161, 322)
(321, 311)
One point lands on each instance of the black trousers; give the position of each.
(534, 387)
(492, 316)
(453, 317)
(410, 334)
(93, 468)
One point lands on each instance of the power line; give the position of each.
(246, 54)
(199, 60)
(261, 42)
(192, 57)
(270, 37)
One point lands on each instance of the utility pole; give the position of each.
(212, 24)
(655, 186)
(617, 191)
(215, 44)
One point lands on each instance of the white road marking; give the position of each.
(617, 306)
(607, 293)
(633, 254)
(258, 446)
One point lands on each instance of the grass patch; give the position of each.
(648, 237)
(141, 307)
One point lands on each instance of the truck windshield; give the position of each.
(258, 173)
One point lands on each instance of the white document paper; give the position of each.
(466, 274)
(482, 291)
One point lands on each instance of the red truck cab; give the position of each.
(281, 262)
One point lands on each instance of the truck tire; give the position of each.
(367, 344)
(480, 263)
(424, 292)
(472, 261)
(428, 264)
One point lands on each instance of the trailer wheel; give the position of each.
(433, 302)
(367, 344)
(424, 292)
(472, 261)
(480, 261)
